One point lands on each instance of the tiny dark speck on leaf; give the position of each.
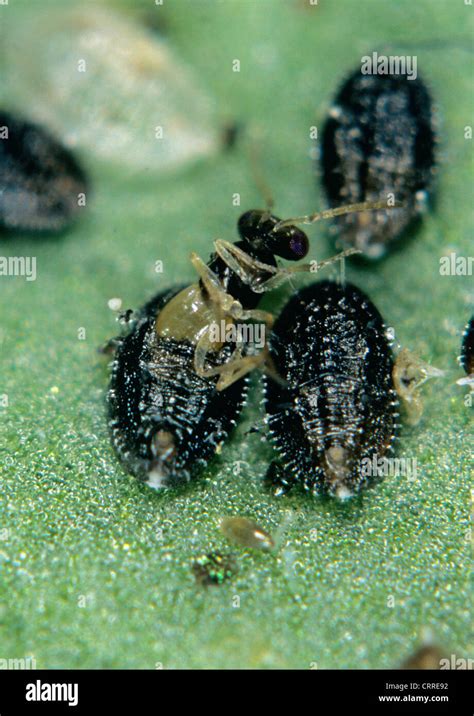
(213, 568)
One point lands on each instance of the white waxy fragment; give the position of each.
(115, 304)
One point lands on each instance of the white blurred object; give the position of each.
(109, 87)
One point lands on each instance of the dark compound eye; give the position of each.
(290, 243)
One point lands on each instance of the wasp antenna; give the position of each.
(253, 148)
(340, 211)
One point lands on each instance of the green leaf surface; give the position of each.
(95, 570)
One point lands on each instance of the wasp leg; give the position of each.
(237, 365)
(253, 272)
(229, 372)
(227, 303)
(236, 369)
(284, 274)
(256, 315)
(249, 270)
(205, 346)
(409, 373)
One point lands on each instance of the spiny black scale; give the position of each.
(337, 405)
(378, 140)
(40, 181)
(467, 348)
(166, 421)
(154, 389)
